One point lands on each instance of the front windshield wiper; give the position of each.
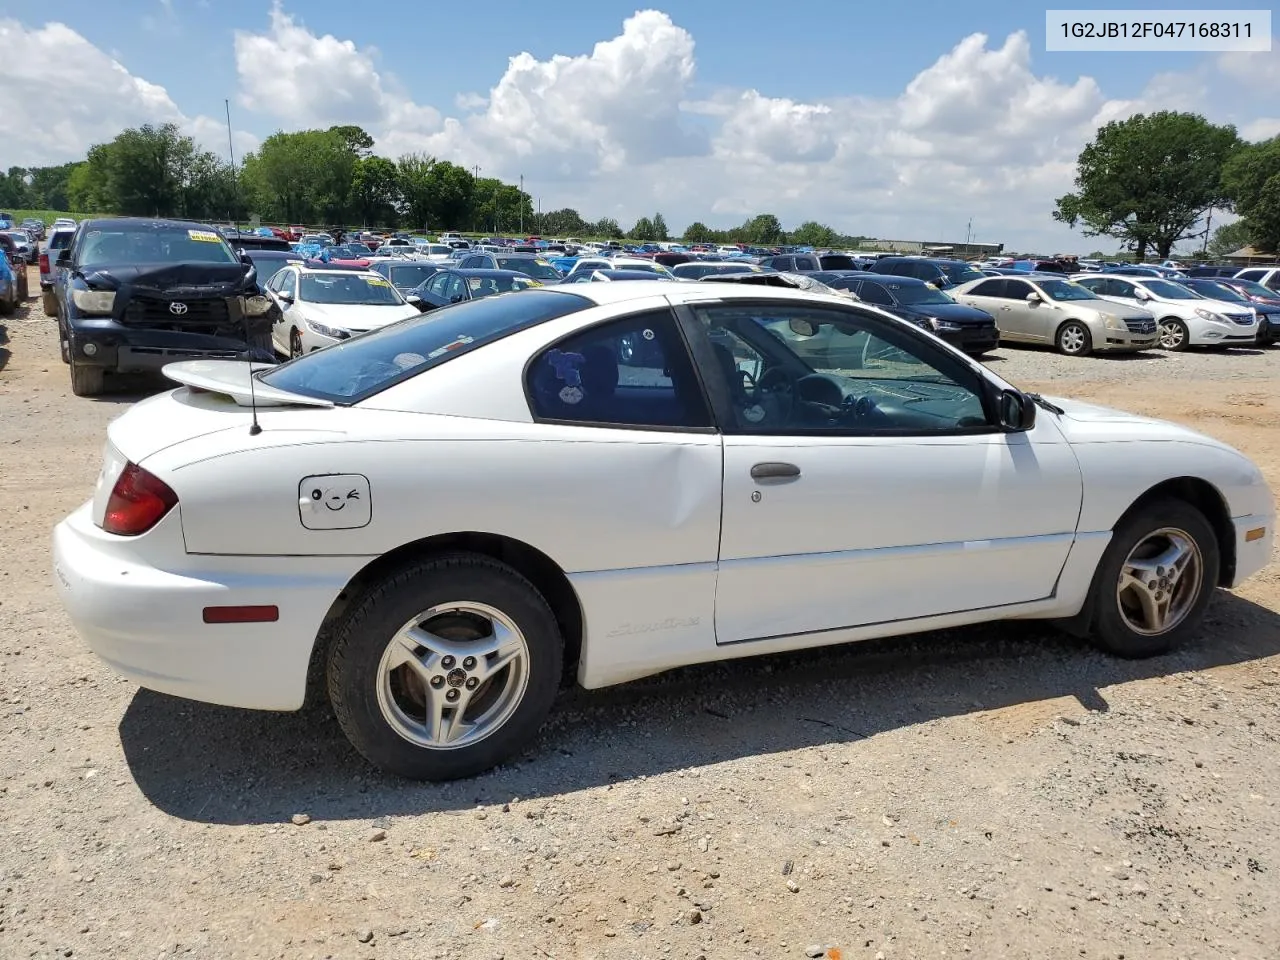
(1040, 401)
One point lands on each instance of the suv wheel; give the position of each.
(86, 381)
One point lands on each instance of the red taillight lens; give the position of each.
(137, 502)
(44, 263)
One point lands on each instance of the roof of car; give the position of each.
(154, 223)
(486, 272)
(273, 254)
(307, 266)
(621, 291)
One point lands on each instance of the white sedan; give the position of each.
(1185, 318)
(321, 307)
(444, 515)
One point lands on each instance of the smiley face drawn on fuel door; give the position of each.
(339, 501)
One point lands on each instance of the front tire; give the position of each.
(1155, 580)
(295, 344)
(86, 381)
(1074, 340)
(1174, 334)
(446, 668)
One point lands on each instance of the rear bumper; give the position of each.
(144, 618)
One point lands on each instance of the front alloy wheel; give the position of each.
(1174, 334)
(295, 344)
(1074, 339)
(1155, 579)
(1160, 581)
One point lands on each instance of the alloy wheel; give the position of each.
(453, 675)
(1172, 335)
(1160, 581)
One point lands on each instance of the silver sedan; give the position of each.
(1042, 308)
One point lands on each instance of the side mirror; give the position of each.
(413, 298)
(456, 298)
(1016, 411)
(64, 257)
(246, 259)
(1033, 297)
(1142, 294)
(803, 328)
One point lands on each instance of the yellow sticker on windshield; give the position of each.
(207, 236)
(376, 282)
(542, 263)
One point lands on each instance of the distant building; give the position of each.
(1247, 255)
(937, 248)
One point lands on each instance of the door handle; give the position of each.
(775, 471)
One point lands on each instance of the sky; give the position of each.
(920, 121)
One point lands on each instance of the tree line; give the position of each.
(1154, 180)
(333, 177)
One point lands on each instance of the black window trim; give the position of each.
(956, 367)
(707, 407)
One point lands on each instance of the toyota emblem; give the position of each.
(177, 309)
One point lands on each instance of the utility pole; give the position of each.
(522, 206)
(231, 151)
(1208, 225)
(967, 234)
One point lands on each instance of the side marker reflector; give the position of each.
(1257, 533)
(262, 614)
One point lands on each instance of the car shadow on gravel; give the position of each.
(220, 765)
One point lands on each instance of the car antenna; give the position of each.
(255, 428)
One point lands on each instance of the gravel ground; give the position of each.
(999, 791)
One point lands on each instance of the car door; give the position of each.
(1026, 320)
(873, 494)
(284, 282)
(989, 296)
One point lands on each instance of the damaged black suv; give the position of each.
(136, 294)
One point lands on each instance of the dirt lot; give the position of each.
(998, 792)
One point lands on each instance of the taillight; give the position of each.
(44, 263)
(137, 502)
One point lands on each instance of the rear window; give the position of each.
(60, 238)
(355, 369)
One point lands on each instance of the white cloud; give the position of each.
(1264, 128)
(88, 99)
(278, 71)
(623, 129)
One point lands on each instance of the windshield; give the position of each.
(1218, 291)
(409, 275)
(1065, 290)
(1170, 290)
(354, 369)
(918, 296)
(146, 244)
(960, 272)
(351, 289)
(527, 265)
(1253, 288)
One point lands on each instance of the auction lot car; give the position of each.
(1185, 318)
(135, 294)
(320, 307)
(428, 512)
(1043, 308)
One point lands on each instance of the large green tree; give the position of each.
(1149, 180)
(1252, 181)
(763, 228)
(814, 234)
(643, 231)
(375, 189)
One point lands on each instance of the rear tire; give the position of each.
(86, 381)
(386, 686)
(1122, 624)
(49, 303)
(1074, 340)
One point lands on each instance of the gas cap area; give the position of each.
(335, 501)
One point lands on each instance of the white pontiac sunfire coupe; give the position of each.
(444, 515)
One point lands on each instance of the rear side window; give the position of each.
(990, 288)
(632, 372)
(355, 369)
(60, 238)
